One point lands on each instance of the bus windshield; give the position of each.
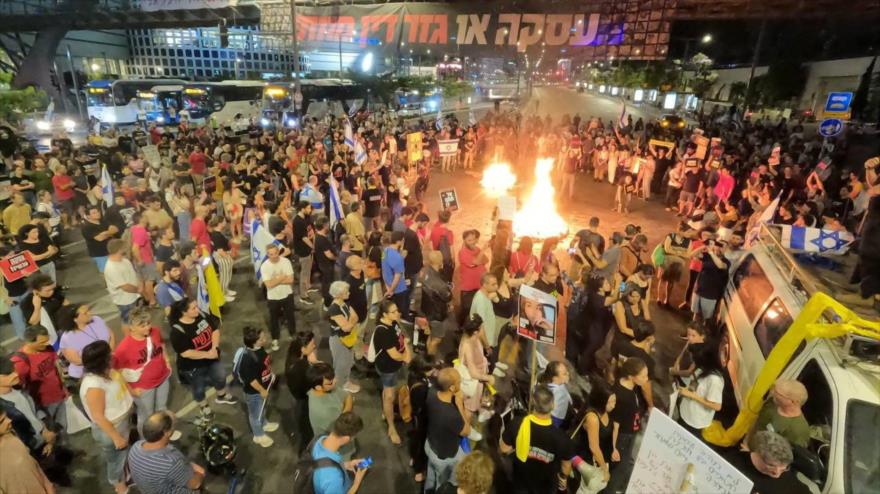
(99, 96)
(196, 99)
(148, 102)
(276, 98)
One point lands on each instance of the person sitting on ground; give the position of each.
(767, 465)
(338, 480)
(782, 414)
(156, 466)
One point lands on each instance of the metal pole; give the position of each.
(296, 67)
(61, 86)
(755, 58)
(75, 83)
(340, 56)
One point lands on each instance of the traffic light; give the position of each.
(224, 35)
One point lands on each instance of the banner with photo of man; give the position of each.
(538, 312)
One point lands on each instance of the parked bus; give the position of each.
(115, 102)
(222, 100)
(277, 106)
(160, 104)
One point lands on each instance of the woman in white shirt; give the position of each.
(701, 399)
(108, 404)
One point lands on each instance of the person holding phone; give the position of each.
(712, 279)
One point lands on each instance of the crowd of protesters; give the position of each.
(427, 310)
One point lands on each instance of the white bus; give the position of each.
(115, 102)
(222, 100)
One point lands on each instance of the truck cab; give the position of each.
(767, 289)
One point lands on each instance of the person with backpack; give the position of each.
(324, 471)
(36, 363)
(252, 368)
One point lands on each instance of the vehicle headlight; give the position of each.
(160, 119)
(69, 123)
(43, 125)
(291, 122)
(681, 124)
(264, 122)
(664, 123)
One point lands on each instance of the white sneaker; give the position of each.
(474, 435)
(502, 366)
(176, 435)
(305, 301)
(264, 441)
(231, 292)
(312, 290)
(270, 426)
(498, 372)
(229, 298)
(351, 388)
(275, 346)
(484, 415)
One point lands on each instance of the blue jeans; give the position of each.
(113, 458)
(703, 307)
(441, 470)
(125, 310)
(202, 377)
(101, 262)
(254, 406)
(184, 220)
(151, 401)
(17, 316)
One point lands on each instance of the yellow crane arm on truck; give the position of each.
(808, 325)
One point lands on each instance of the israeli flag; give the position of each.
(349, 135)
(621, 122)
(471, 118)
(355, 106)
(360, 154)
(335, 203)
(815, 240)
(202, 299)
(766, 217)
(439, 121)
(260, 238)
(106, 186)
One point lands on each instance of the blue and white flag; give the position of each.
(439, 121)
(260, 238)
(349, 134)
(335, 203)
(471, 118)
(621, 122)
(355, 106)
(815, 240)
(766, 217)
(106, 186)
(202, 298)
(360, 154)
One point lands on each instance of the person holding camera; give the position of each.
(712, 279)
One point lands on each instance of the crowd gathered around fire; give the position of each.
(429, 313)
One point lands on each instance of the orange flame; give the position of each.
(538, 217)
(498, 179)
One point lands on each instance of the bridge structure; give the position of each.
(51, 20)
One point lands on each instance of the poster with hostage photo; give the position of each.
(537, 315)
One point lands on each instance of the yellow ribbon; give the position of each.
(524, 435)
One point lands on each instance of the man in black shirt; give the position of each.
(325, 257)
(119, 214)
(413, 261)
(303, 245)
(767, 466)
(44, 295)
(627, 417)
(97, 232)
(254, 370)
(543, 466)
(447, 424)
(712, 279)
(372, 199)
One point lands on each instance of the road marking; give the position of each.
(73, 243)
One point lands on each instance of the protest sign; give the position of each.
(414, 146)
(18, 265)
(449, 200)
(537, 315)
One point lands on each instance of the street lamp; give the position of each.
(707, 38)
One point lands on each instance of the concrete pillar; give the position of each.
(37, 64)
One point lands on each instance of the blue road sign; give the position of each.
(838, 102)
(830, 127)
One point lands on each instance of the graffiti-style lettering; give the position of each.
(557, 29)
(531, 31)
(511, 32)
(585, 32)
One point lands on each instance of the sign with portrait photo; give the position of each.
(449, 200)
(538, 313)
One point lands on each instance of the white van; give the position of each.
(768, 287)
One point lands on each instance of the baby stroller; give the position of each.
(217, 444)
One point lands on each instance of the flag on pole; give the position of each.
(349, 135)
(260, 238)
(360, 154)
(766, 217)
(335, 203)
(210, 293)
(621, 122)
(439, 121)
(355, 106)
(471, 118)
(106, 186)
(815, 240)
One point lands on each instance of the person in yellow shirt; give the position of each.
(354, 227)
(17, 214)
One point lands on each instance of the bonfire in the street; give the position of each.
(538, 217)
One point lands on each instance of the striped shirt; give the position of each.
(159, 471)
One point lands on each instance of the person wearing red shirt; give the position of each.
(36, 365)
(198, 230)
(440, 230)
(64, 193)
(197, 166)
(143, 363)
(155, 135)
(473, 262)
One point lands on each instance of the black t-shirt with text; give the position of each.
(628, 411)
(196, 335)
(548, 446)
(386, 338)
(255, 365)
(372, 202)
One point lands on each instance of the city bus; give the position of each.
(160, 104)
(115, 102)
(333, 96)
(221, 100)
(277, 105)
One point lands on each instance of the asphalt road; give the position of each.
(269, 469)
